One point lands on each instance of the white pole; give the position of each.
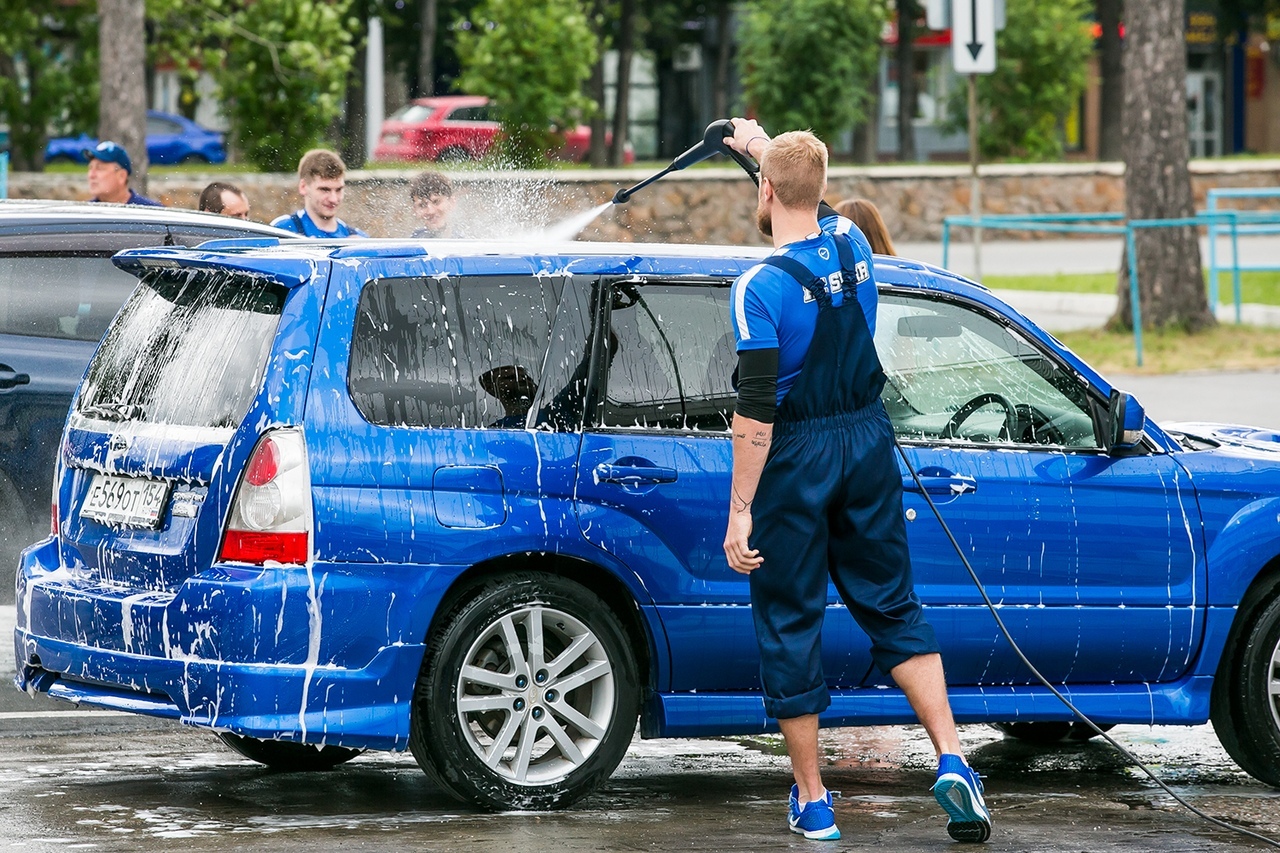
(374, 108)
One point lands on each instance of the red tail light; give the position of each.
(270, 518)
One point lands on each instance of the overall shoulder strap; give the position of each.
(855, 271)
(297, 224)
(803, 276)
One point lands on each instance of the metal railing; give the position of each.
(1218, 222)
(4, 174)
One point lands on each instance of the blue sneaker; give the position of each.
(959, 792)
(816, 821)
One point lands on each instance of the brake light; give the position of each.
(270, 518)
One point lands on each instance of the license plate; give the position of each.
(127, 501)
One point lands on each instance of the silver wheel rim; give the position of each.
(1273, 686)
(536, 695)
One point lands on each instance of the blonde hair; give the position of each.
(867, 217)
(321, 163)
(796, 165)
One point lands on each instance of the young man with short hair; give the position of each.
(816, 492)
(226, 199)
(321, 183)
(109, 171)
(433, 201)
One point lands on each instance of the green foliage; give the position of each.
(810, 63)
(532, 58)
(1042, 58)
(48, 74)
(280, 67)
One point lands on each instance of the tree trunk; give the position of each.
(598, 151)
(622, 95)
(427, 49)
(724, 53)
(122, 104)
(908, 12)
(1111, 118)
(1157, 182)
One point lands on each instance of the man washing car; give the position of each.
(816, 492)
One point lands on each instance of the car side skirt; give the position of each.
(1183, 702)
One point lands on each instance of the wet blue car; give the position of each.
(170, 139)
(468, 500)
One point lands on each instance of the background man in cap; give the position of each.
(109, 171)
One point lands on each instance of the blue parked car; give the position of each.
(170, 139)
(468, 500)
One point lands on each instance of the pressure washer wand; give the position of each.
(713, 143)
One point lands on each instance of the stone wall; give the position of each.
(701, 205)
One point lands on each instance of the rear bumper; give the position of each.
(325, 653)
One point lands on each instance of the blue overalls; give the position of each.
(829, 504)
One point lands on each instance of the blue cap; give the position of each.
(110, 152)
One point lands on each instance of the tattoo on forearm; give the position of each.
(761, 439)
(739, 503)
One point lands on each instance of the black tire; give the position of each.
(287, 756)
(453, 154)
(1048, 733)
(571, 710)
(193, 159)
(1246, 694)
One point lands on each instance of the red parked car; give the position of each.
(452, 128)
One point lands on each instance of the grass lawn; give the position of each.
(1259, 287)
(1224, 347)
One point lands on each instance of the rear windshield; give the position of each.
(189, 348)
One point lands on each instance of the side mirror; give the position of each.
(1126, 420)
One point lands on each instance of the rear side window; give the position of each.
(51, 296)
(456, 352)
(189, 349)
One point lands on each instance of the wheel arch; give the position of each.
(1265, 586)
(645, 637)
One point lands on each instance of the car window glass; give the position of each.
(451, 352)
(566, 372)
(470, 114)
(412, 113)
(955, 374)
(60, 297)
(672, 357)
(161, 125)
(189, 349)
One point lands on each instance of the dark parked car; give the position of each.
(454, 128)
(469, 501)
(58, 292)
(170, 139)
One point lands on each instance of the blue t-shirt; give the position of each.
(134, 198)
(301, 223)
(771, 309)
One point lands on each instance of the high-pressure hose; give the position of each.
(713, 142)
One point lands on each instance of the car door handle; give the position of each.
(9, 378)
(633, 475)
(947, 485)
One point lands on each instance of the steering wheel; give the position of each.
(952, 428)
(1037, 427)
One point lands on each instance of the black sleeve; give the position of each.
(825, 210)
(757, 384)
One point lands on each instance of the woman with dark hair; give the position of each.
(865, 215)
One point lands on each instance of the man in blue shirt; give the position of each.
(816, 491)
(321, 183)
(109, 171)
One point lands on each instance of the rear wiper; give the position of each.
(113, 411)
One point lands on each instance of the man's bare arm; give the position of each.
(751, 442)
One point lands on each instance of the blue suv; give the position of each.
(468, 500)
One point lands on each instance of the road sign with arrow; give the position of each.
(973, 36)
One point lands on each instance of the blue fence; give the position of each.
(4, 174)
(1230, 223)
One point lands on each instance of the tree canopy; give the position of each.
(532, 58)
(811, 63)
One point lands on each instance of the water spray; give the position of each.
(713, 143)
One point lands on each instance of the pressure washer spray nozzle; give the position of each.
(713, 143)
